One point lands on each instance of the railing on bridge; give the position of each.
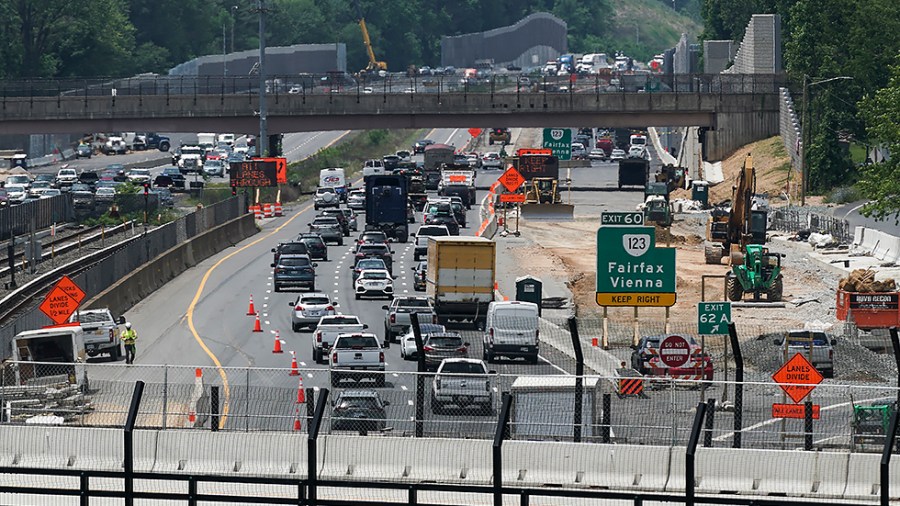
(391, 84)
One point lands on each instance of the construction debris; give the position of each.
(24, 402)
(863, 280)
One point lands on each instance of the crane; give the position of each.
(374, 65)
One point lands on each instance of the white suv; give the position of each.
(425, 231)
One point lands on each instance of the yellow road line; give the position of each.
(226, 388)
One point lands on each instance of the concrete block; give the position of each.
(863, 478)
(378, 458)
(62, 447)
(858, 233)
(763, 472)
(206, 452)
(616, 467)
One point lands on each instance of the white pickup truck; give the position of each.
(426, 231)
(396, 317)
(327, 331)
(822, 349)
(462, 382)
(357, 356)
(101, 331)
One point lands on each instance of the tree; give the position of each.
(880, 182)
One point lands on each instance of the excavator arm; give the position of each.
(739, 220)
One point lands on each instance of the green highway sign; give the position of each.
(619, 219)
(713, 317)
(559, 140)
(631, 270)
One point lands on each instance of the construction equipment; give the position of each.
(374, 65)
(869, 426)
(730, 230)
(741, 233)
(540, 169)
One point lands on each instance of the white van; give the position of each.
(226, 139)
(335, 179)
(637, 140)
(511, 330)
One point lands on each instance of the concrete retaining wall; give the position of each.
(789, 126)
(129, 290)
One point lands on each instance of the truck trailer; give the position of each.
(386, 205)
(460, 277)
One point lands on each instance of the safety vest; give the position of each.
(129, 336)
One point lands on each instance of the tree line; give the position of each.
(822, 39)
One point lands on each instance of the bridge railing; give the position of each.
(324, 84)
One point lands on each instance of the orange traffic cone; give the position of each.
(594, 342)
(256, 326)
(277, 348)
(251, 311)
(297, 420)
(192, 418)
(295, 369)
(301, 393)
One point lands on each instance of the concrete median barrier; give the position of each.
(617, 467)
(139, 284)
(763, 472)
(377, 458)
(228, 453)
(62, 448)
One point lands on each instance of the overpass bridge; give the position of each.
(737, 109)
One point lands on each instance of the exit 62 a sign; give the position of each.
(713, 317)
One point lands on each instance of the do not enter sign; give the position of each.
(674, 351)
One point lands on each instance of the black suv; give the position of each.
(499, 135)
(381, 251)
(289, 248)
(89, 177)
(419, 146)
(315, 245)
(341, 217)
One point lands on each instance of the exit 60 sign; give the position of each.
(713, 317)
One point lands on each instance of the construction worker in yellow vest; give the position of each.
(128, 339)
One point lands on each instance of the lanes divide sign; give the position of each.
(511, 179)
(62, 301)
(797, 377)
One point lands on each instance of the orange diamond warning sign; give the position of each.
(511, 179)
(797, 377)
(58, 305)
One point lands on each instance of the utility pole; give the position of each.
(224, 54)
(262, 141)
(805, 131)
(233, 16)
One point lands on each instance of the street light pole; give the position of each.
(262, 148)
(233, 16)
(805, 132)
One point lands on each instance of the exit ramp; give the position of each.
(548, 212)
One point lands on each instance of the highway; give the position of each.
(199, 319)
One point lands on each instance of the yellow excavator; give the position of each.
(374, 65)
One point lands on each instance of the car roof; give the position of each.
(382, 271)
(292, 255)
(360, 393)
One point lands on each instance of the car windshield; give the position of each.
(463, 368)
(341, 320)
(445, 341)
(90, 317)
(374, 275)
(819, 338)
(315, 301)
(357, 403)
(372, 248)
(370, 263)
(351, 342)
(325, 221)
(293, 261)
(292, 248)
(413, 302)
(81, 188)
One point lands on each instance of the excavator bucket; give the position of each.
(548, 212)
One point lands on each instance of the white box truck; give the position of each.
(460, 277)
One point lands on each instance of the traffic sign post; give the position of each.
(559, 141)
(713, 318)
(674, 351)
(797, 377)
(511, 180)
(631, 270)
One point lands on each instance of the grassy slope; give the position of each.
(659, 27)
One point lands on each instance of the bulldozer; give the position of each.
(542, 200)
(740, 233)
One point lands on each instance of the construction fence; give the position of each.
(626, 409)
(794, 219)
(35, 215)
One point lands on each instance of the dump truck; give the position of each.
(460, 278)
(460, 183)
(634, 172)
(867, 302)
(36, 350)
(437, 155)
(540, 169)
